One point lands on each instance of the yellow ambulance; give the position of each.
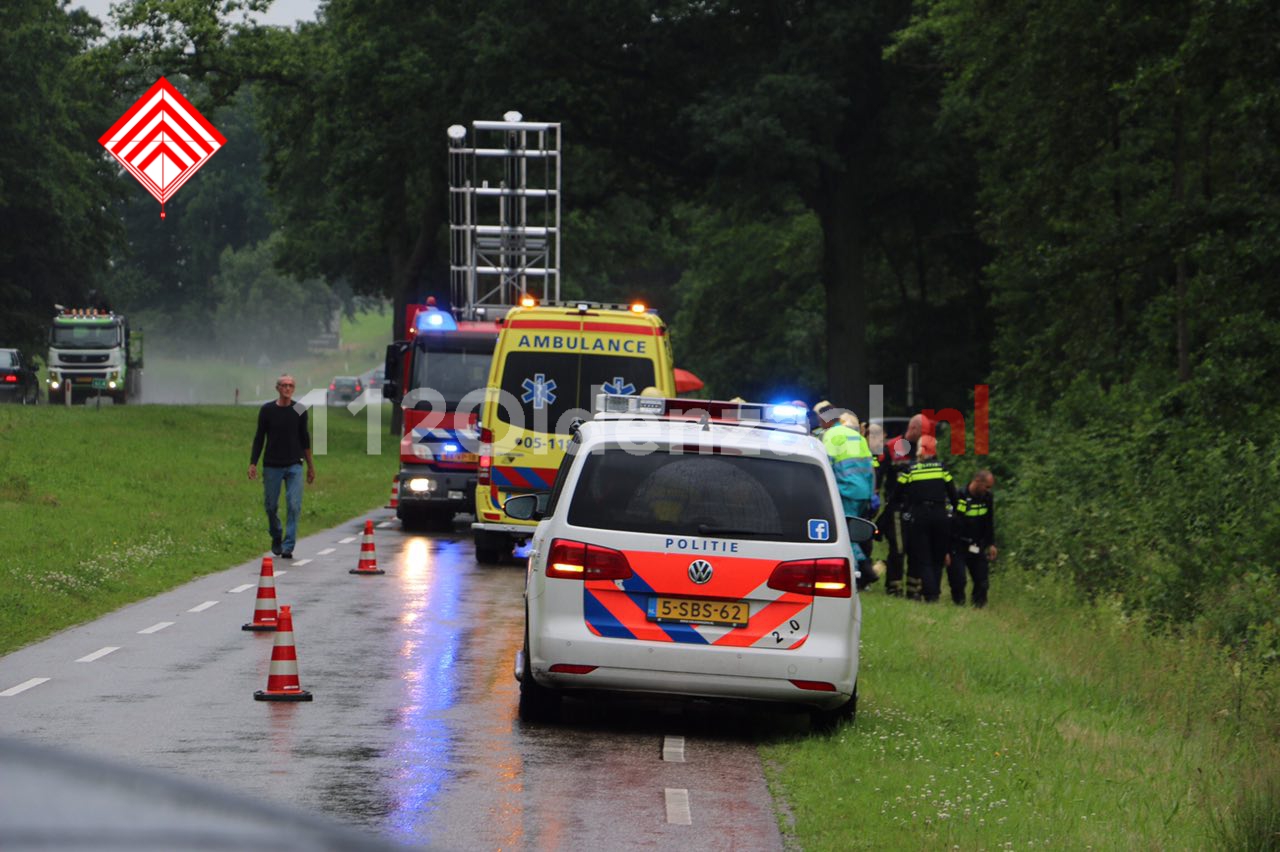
(550, 363)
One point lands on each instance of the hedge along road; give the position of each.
(412, 732)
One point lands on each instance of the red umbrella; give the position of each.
(686, 381)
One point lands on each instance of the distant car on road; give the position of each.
(18, 381)
(374, 378)
(344, 389)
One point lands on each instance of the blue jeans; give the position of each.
(272, 477)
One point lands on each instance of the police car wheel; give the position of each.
(828, 720)
(537, 703)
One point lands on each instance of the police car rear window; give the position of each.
(552, 388)
(749, 497)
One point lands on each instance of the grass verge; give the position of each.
(100, 508)
(1037, 722)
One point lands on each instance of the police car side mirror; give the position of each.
(860, 529)
(525, 507)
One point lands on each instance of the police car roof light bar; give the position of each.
(749, 414)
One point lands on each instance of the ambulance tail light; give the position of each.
(829, 578)
(485, 470)
(576, 560)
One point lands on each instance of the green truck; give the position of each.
(93, 353)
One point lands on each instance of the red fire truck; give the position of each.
(437, 375)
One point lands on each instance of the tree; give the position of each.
(56, 185)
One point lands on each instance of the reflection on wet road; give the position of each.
(413, 732)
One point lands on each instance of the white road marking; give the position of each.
(281, 573)
(678, 812)
(98, 654)
(325, 552)
(202, 607)
(300, 562)
(385, 524)
(673, 749)
(156, 628)
(24, 686)
(347, 540)
(238, 589)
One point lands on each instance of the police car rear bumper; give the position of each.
(741, 673)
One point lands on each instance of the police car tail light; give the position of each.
(576, 560)
(486, 457)
(829, 578)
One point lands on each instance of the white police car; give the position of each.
(697, 549)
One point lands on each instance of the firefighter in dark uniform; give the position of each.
(973, 547)
(926, 496)
(897, 457)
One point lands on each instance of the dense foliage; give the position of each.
(1076, 202)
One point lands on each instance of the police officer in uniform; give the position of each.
(927, 496)
(974, 543)
(897, 457)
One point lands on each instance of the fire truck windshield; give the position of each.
(85, 337)
(451, 374)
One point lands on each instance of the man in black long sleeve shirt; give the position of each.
(974, 543)
(282, 426)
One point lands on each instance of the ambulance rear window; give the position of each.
(552, 388)
(750, 497)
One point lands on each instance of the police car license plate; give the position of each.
(469, 458)
(689, 611)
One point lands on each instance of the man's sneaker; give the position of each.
(288, 554)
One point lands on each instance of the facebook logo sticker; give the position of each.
(819, 530)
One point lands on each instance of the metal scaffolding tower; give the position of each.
(504, 214)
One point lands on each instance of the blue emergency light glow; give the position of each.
(435, 320)
(450, 448)
(786, 414)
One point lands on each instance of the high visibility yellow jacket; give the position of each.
(851, 460)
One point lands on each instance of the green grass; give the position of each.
(212, 380)
(1035, 723)
(100, 508)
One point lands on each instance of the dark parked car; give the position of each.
(344, 389)
(18, 381)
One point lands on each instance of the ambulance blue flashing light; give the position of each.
(450, 448)
(434, 319)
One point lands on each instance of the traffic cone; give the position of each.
(282, 677)
(264, 609)
(395, 494)
(368, 563)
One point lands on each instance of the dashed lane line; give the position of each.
(98, 654)
(300, 562)
(281, 573)
(385, 524)
(238, 589)
(156, 628)
(673, 749)
(678, 812)
(24, 686)
(202, 607)
(347, 540)
(325, 552)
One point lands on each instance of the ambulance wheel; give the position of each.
(537, 703)
(489, 548)
(826, 721)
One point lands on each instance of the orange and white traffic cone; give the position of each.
(264, 608)
(282, 677)
(395, 494)
(368, 563)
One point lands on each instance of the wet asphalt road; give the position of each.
(413, 733)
